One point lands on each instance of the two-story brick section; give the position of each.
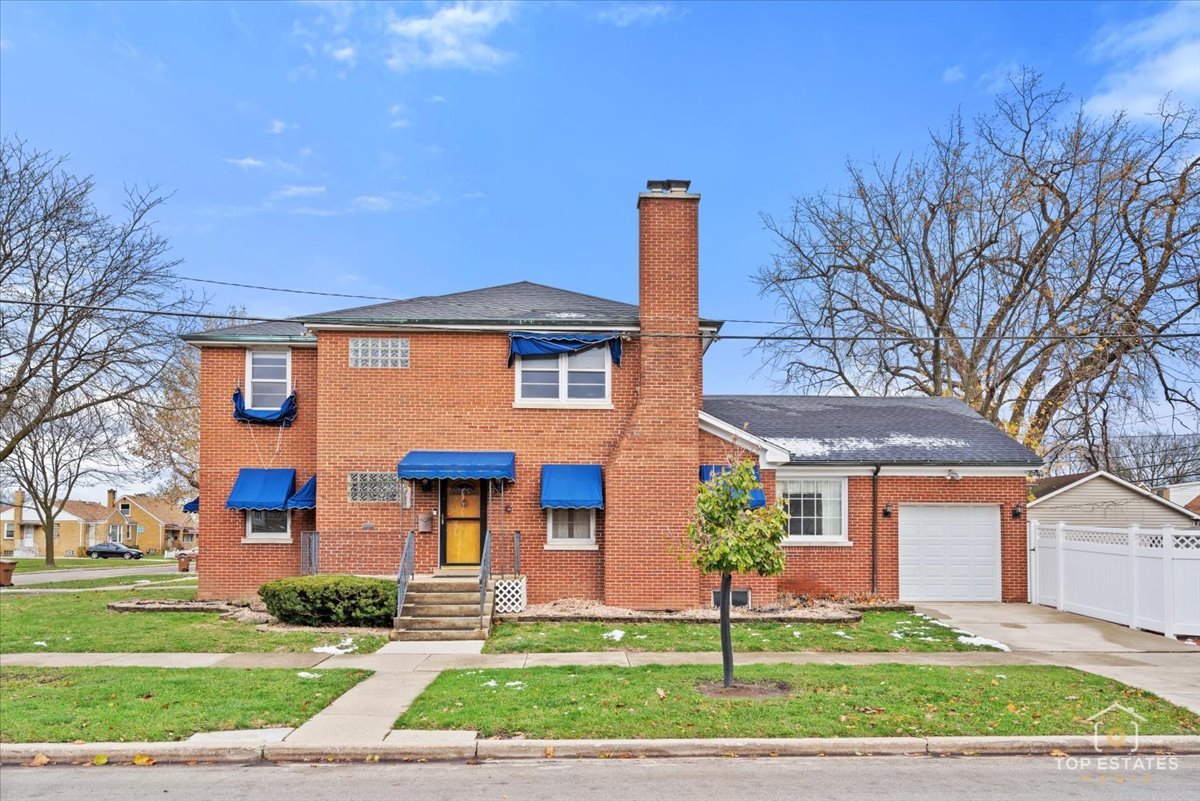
(581, 423)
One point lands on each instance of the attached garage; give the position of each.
(949, 552)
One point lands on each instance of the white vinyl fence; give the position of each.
(1145, 578)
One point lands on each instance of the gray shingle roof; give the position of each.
(522, 303)
(821, 430)
(281, 329)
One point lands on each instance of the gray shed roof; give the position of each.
(855, 430)
(280, 330)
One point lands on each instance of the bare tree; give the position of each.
(1037, 269)
(80, 310)
(1153, 459)
(59, 454)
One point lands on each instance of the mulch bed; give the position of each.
(755, 689)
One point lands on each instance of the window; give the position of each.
(57, 530)
(736, 598)
(10, 532)
(377, 488)
(571, 528)
(816, 508)
(114, 533)
(124, 509)
(378, 352)
(582, 378)
(268, 378)
(268, 524)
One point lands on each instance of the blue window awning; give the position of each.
(193, 505)
(458, 464)
(572, 486)
(305, 497)
(284, 416)
(757, 496)
(261, 489)
(525, 343)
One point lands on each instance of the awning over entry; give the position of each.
(572, 486)
(261, 489)
(524, 343)
(305, 497)
(757, 497)
(458, 464)
(193, 505)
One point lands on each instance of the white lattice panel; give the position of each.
(1097, 537)
(1150, 540)
(1187, 542)
(510, 595)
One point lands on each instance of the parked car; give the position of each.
(190, 553)
(113, 550)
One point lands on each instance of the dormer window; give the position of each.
(268, 378)
(582, 378)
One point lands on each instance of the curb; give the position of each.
(431, 751)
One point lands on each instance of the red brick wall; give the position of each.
(231, 569)
(652, 475)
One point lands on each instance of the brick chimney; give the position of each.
(112, 498)
(652, 475)
(18, 509)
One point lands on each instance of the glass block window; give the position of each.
(377, 488)
(378, 352)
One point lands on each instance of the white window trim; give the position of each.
(250, 376)
(10, 531)
(825, 540)
(563, 400)
(553, 544)
(269, 539)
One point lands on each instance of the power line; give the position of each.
(285, 289)
(629, 335)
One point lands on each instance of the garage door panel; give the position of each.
(949, 553)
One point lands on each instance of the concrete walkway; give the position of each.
(22, 576)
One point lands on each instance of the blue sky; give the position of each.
(420, 148)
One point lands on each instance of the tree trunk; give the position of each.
(49, 533)
(726, 634)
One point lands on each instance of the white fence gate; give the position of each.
(1140, 577)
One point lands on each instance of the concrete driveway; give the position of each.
(1165, 667)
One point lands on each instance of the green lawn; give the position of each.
(824, 701)
(38, 564)
(123, 704)
(878, 631)
(110, 581)
(81, 622)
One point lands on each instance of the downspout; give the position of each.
(875, 529)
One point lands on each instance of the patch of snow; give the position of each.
(640, 636)
(812, 447)
(304, 674)
(40, 642)
(489, 683)
(973, 640)
(929, 639)
(1001, 676)
(346, 646)
(615, 635)
(514, 684)
(841, 633)
(899, 635)
(797, 633)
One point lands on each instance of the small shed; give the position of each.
(1098, 498)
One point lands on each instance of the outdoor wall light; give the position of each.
(887, 510)
(1018, 510)
(426, 485)
(953, 475)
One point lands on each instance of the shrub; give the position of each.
(331, 600)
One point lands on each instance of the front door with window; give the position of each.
(464, 519)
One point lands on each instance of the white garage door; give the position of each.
(949, 553)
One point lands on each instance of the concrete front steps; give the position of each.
(444, 608)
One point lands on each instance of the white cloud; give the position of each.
(625, 14)
(1148, 58)
(372, 203)
(344, 53)
(436, 99)
(247, 163)
(997, 79)
(398, 119)
(453, 37)
(278, 126)
(953, 74)
(401, 123)
(292, 190)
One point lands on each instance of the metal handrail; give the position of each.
(485, 573)
(408, 558)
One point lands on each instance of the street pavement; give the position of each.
(821, 778)
(22, 578)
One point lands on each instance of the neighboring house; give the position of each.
(581, 423)
(147, 524)
(1098, 498)
(79, 524)
(1181, 494)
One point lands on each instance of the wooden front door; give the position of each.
(464, 518)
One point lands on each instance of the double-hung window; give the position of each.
(816, 509)
(571, 528)
(583, 378)
(268, 378)
(10, 531)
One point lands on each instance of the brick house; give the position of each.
(148, 524)
(78, 525)
(581, 423)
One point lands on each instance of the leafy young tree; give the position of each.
(64, 267)
(1041, 263)
(727, 536)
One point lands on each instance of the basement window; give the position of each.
(736, 598)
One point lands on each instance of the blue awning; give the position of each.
(524, 343)
(305, 497)
(458, 464)
(261, 489)
(193, 505)
(757, 497)
(572, 486)
(284, 416)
